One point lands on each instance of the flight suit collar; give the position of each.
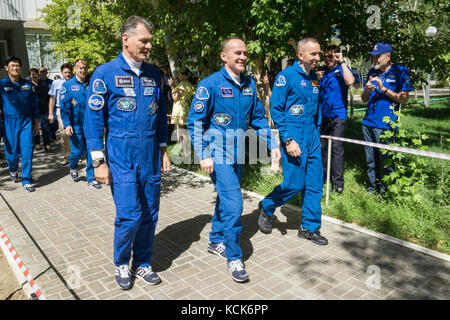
(124, 64)
(300, 70)
(243, 81)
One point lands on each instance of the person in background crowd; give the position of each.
(41, 88)
(387, 87)
(337, 78)
(54, 92)
(19, 106)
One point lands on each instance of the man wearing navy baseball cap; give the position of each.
(388, 85)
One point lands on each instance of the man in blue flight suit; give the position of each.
(224, 105)
(387, 86)
(295, 110)
(72, 106)
(125, 98)
(19, 106)
(334, 84)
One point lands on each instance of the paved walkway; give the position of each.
(64, 234)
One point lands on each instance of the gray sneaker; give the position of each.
(264, 221)
(237, 271)
(146, 274)
(218, 249)
(123, 277)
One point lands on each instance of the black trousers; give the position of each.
(333, 127)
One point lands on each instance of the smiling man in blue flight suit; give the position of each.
(19, 106)
(223, 107)
(72, 106)
(387, 86)
(295, 110)
(126, 99)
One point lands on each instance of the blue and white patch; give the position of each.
(25, 87)
(96, 102)
(75, 88)
(296, 110)
(148, 91)
(227, 92)
(99, 86)
(153, 107)
(281, 81)
(390, 80)
(129, 92)
(126, 104)
(247, 91)
(63, 90)
(148, 82)
(222, 119)
(8, 89)
(303, 83)
(315, 90)
(124, 81)
(202, 93)
(199, 106)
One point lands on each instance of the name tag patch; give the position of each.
(96, 102)
(75, 88)
(126, 104)
(199, 106)
(248, 91)
(148, 91)
(222, 119)
(297, 110)
(99, 86)
(25, 87)
(124, 81)
(227, 92)
(148, 82)
(152, 107)
(129, 92)
(202, 93)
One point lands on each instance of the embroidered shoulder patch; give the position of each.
(126, 104)
(199, 106)
(99, 86)
(227, 92)
(222, 119)
(281, 81)
(202, 93)
(96, 102)
(296, 110)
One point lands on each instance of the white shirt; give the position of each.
(55, 89)
(235, 78)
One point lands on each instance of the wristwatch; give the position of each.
(288, 141)
(98, 162)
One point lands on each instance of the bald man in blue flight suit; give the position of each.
(19, 106)
(295, 110)
(73, 105)
(223, 107)
(125, 97)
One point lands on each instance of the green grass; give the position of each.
(425, 221)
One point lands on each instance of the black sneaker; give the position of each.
(95, 184)
(264, 221)
(218, 249)
(146, 274)
(28, 187)
(13, 176)
(74, 175)
(314, 237)
(123, 277)
(237, 271)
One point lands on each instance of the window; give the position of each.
(3, 53)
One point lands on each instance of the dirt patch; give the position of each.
(10, 289)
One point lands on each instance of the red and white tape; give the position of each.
(395, 148)
(21, 265)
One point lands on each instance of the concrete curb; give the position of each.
(406, 244)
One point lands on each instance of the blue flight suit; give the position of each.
(295, 110)
(72, 104)
(220, 113)
(19, 105)
(132, 109)
(379, 106)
